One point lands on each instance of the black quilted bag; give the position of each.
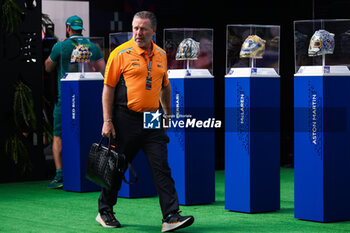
(105, 166)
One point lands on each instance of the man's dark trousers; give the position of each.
(131, 137)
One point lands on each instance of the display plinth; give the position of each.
(252, 140)
(81, 126)
(144, 187)
(191, 152)
(321, 143)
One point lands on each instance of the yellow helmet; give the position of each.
(253, 47)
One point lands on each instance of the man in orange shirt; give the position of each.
(136, 81)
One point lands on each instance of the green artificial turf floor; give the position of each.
(31, 207)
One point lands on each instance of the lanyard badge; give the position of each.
(149, 77)
(148, 82)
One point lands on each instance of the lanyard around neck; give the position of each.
(149, 69)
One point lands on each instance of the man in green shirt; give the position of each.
(60, 58)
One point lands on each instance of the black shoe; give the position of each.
(106, 219)
(175, 221)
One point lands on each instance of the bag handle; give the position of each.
(131, 169)
(109, 142)
(133, 172)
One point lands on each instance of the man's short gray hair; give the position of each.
(147, 15)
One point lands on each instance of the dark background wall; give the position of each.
(21, 59)
(170, 14)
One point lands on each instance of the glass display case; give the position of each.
(252, 49)
(322, 46)
(189, 51)
(118, 38)
(80, 55)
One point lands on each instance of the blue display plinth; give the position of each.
(191, 153)
(321, 144)
(252, 140)
(81, 126)
(144, 187)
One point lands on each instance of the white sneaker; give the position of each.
(106, 219)
(176, 221)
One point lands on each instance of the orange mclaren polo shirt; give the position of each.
(127, 71)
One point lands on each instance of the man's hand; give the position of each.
(166, 122)
(165, 101)
(108, 129)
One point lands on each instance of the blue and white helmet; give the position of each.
(322, 42)
(188, 50)
(80, 54)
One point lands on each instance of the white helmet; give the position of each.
(188, 50)
(322, 42)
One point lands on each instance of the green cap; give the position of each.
(75, 22)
